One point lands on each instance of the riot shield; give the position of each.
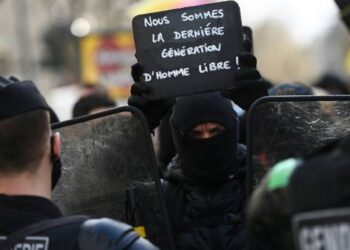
(109, 170)
(292, 126)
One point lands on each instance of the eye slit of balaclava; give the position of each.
(212, 128)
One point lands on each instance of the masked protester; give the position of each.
(204, 188)
(204, 181)
(205, 132)
(29, 170)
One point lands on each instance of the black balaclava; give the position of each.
(205, 160)
(18, 97)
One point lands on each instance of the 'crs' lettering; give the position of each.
(30, 243)
(29, 246)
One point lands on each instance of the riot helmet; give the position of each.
(20, 97)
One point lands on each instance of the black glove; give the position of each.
(153, 110)
(248, 83)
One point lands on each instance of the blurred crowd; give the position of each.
(258, 165)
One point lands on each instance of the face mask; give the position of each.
(205, 160)
(208, 160)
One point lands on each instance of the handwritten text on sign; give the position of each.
(177, 48)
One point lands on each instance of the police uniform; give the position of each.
(35, 223)
(20, 211)
(319, 181)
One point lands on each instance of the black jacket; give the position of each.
(206, 217)
(21, 211)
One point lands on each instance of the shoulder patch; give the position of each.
(281, 172)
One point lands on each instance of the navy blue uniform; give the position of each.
(17, 212)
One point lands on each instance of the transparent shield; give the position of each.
(281, 128)
(108, 171)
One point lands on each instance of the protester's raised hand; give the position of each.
(248, 83)
(153, 110)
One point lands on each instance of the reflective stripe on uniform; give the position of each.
(141, 231)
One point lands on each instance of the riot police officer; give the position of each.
(29, 169)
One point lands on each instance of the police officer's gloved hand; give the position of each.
(153, 110)
(248, 83)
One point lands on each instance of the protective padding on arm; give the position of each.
(108, 234)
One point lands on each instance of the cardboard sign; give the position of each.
(322, 230)
(189, 50)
